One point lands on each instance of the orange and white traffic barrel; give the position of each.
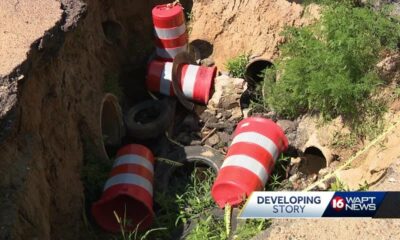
(256, 145)
(128, 191)
(170, 30)
(196, 81)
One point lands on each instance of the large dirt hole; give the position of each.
(313, 161)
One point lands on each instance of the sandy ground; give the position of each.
(381, 164)
(21, 23)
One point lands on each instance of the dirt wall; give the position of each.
(246, 26)
(49, 105)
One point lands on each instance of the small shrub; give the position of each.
(338, 186)
(329, 67)
(237, 66)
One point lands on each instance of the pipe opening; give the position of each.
(111, 124)
(313, 161)
(255, 70)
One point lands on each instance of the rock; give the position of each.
(213, 140)
(324, 171)
(294, 177)
(195, 143)
(295, 161)
(236, 114)
(224, 137)
(323, 186)
(226, 114)
(392, 180)
(228, 102)
(287, 126)
(239, 84)
(219, 116)
(389, 65)
(246, 112)
(208, 62)
(314, 177)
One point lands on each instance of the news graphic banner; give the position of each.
(322, 204)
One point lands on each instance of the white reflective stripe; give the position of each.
(128, 178)
(170, 52)
(260, 140)
(189, 80)
(248, 163)
(170, 33)
(134, 159)
(166, 79)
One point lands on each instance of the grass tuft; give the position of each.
(237, 66)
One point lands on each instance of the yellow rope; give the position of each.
(351, 159)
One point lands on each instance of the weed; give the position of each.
(276, 180)
(237, 66)
(94, 173)
(338, 186)
(329, 67)
(189, 21)
(363, 187)
(208, 228)
(132, 235)
(197, 198)
(112, 85)
(251, 228)
(346, 140)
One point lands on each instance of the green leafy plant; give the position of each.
(237, 66)
(251, 228)
(208, 228)
(197, 198)
(338, 186)
(134, 234)
(329, 67)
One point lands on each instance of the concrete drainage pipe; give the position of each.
(112, 126)
(254, 70)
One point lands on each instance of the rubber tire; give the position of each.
(151, 129)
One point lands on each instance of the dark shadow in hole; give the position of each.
(112, 31)
(187, 8)
(132, 79)
(255, 69)
(313, 161)
(204, 47)
(254, 76)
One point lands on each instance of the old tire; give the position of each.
(157, 117)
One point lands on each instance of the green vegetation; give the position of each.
(251, 228)
(276, 180)
(237, 66)
(329, 67)
(135, 234)
(338, 186)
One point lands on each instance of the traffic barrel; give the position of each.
(128, 191)
(170, 30)
(196, 81)
(256, 145)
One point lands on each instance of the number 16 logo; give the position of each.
(338, 203)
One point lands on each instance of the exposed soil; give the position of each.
(245, 26)
(54, 60)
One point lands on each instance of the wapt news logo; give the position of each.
(322, 204)
(355, 204)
